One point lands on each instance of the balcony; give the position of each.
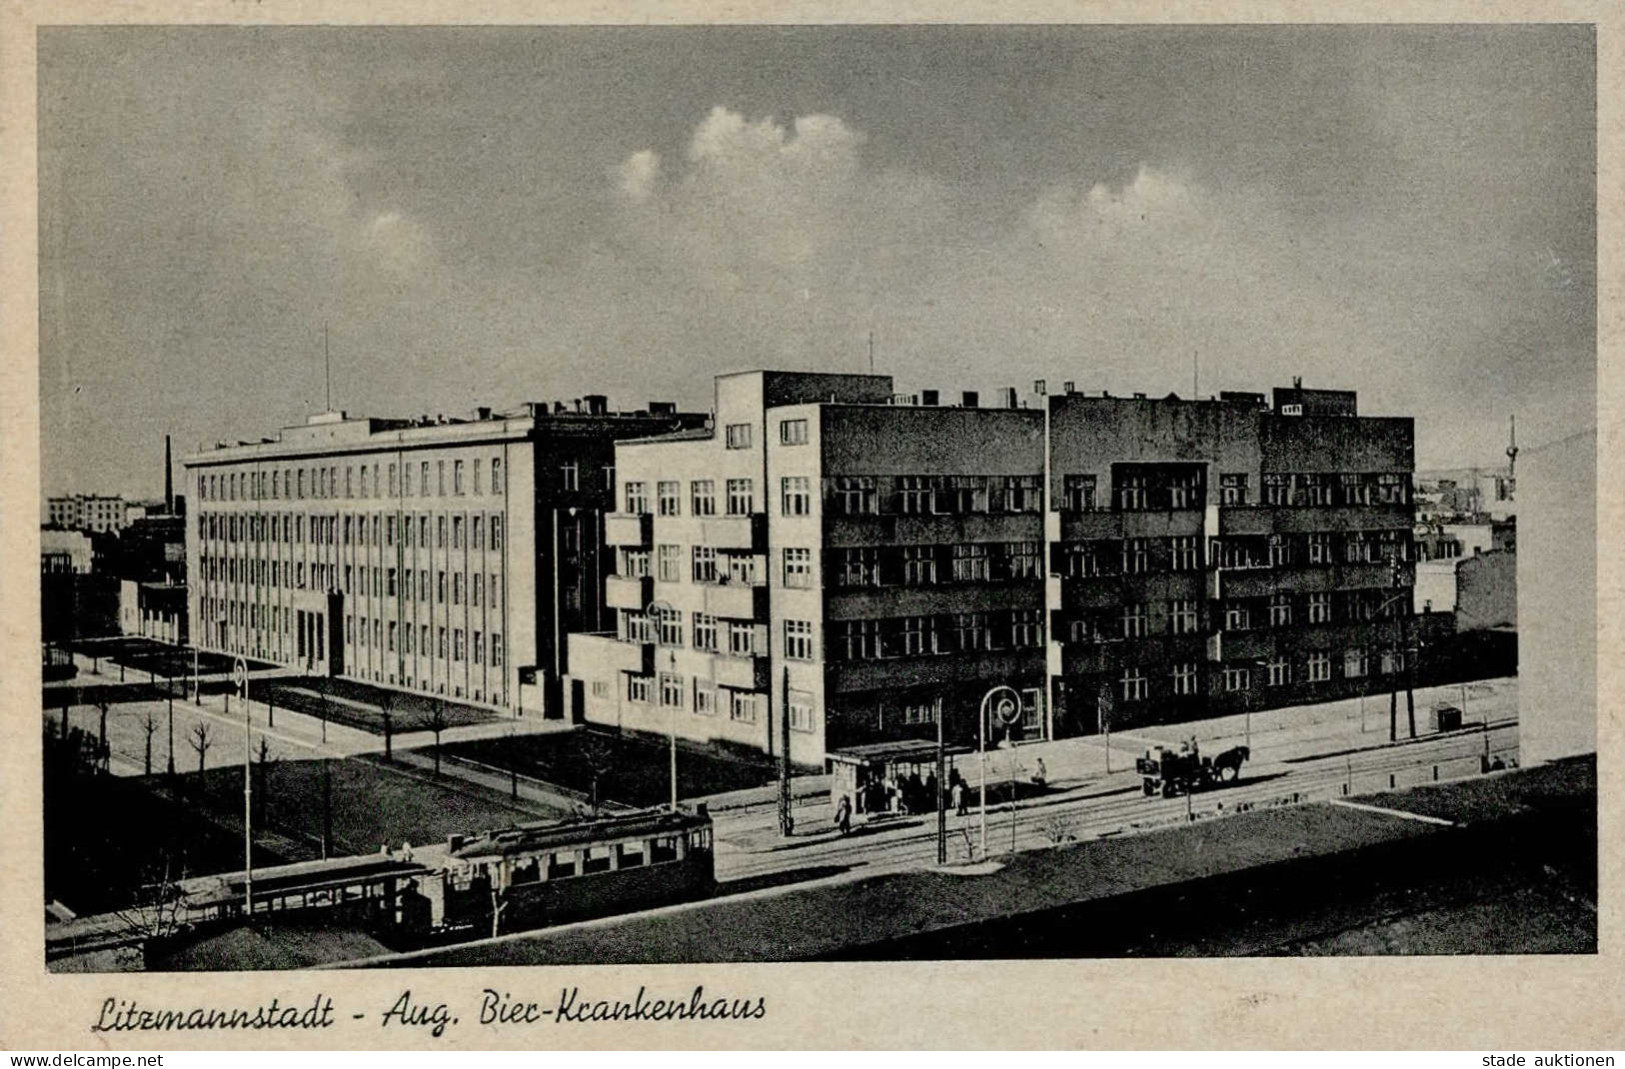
(628, 592)
(741, 673)
(629, 529)
(735, 600)
(603, 656)
(1298, 519)
(735, 532)
(1234, 646)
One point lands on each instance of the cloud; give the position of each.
(636, 175)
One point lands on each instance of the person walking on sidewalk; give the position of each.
(956, 784)
(843, 814)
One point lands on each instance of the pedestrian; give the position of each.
(1041, 776)
(843, 814)
(961, 802)
(932, 798)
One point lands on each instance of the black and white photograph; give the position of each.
(697, 494)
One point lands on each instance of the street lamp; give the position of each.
(1009, 702)
(655, 612)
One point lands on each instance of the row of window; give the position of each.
(1133, 685)
(361, 530)
(739, 497)
(1183, 616)
(862, 566)
(701, 697)
(364, 481)
(791, 432)
(924, 636)
(363, 632)
(476, 589)
(918, 495)
(1159, 487)
(1183, 553)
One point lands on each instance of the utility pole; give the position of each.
(787, 822)
(942, 809)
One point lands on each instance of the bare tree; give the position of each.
(149, 725)
(262, 760)
(386, 705)
(202, 738)
(597, 756)
(499, 902)
(159, 913)
(437, 724)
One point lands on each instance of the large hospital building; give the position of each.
(442, 556)
(832, 563)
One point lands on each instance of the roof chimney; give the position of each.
(969, 399)
(597, 404)
(1069, 386)
(929, 398)
(1007, 397)
(169, 480)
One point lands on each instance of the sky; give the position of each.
(486, 216)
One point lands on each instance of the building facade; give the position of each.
(1217, 555)
(836, 564)
(86, 512)
(441, 556)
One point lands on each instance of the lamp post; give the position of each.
(1008, 700)
(655, 612)
(248, 794)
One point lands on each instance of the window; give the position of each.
(670, 563)
(457, 588)
(1320, 548)
(1079, 493)
(705, 631)
(1021, 493)
(496, 481)
(668, 627)
(797, 567)
(1026, 628)
(570, 476)
(478, 644)
(1318, 488)
(970, 631)
(1135, 557)
(913, 494)
(792, 432)
(742, 706)
(1237, 617)
(858, 566)
(919, 565)
(858, 640)
(1320, 608)
(1023, 560)
(705, 699)
(1277, 489)
(1354, 663)
(1182, 616)
(920, 710)
(738, 435)
(671, 690)
(704, 564)
(457, 532)
(1280, 610)
(919, 636)
(1182, 553)
(1278, 551)
(1237, 679)
(1233, 488)
(741, 498)
(798, 642)
(1320, 667)
(1393, 488)
(496, 532)
(1184, 677)
(795, 496)
(1280, 672)
(637, 498)
(477, 530)
(799, 705)
(1131, 684)
(855, 495)
(1131, 493)
(1133, 620)
(638, 687)
(668, 497)
(704, 497)
(741, 638)
(1185, 490)
(741, 568)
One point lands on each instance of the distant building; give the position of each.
(1487, 591)
(1557, 598)
(441, 556)
(86, 512)
(64, 552)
